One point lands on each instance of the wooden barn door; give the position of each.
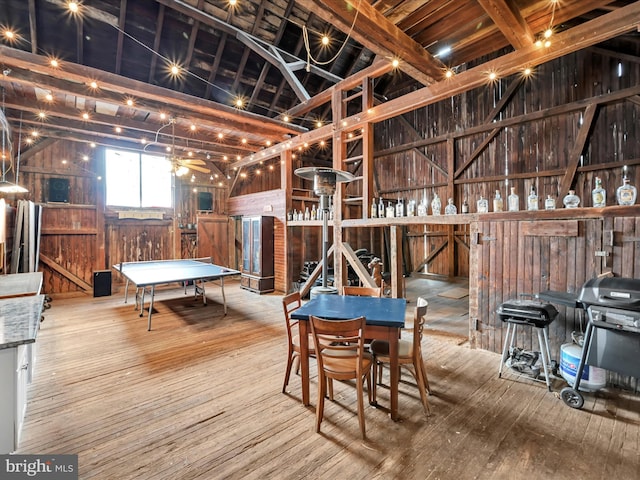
(516, 258)
(213, 239)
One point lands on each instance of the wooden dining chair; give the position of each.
(341, 356)
(291, 303)
(409, 355)
(362, 291)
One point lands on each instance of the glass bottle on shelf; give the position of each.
(550, 203)
(314, 212)
(599, 194)
(513, 201)
(465, 206)
(300, 215)
(411, 208)
(374, 208)
(400, 208)
(626, 193)
(380, 208)
(422, 208)
(391, 211)
(532, 199)
(290, 215)
(571, 200)
(498, 203)
(436, 204)
(450, 209)
(483, 205)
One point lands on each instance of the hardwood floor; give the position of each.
(199, 397)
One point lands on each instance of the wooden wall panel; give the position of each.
(73, 253)
(514, 265)
(135, 241)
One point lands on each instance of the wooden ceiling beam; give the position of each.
(471, 46)
(369, 27)
(184, 117)
(156, 44)
(126, 86)
(70, 130)
(131, 128)
(378, 68)
(33, 26)
(507, 17)
(120, 43)
(610, 25)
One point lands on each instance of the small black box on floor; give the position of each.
(102, 283)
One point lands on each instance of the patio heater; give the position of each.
(324, 185)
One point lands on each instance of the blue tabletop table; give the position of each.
(384, 319)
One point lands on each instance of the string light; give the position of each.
(73, 7)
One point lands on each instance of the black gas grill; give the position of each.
(531, 313)
(612, 337)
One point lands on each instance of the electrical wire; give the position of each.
(305, 36)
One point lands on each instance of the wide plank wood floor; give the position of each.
(199, 397)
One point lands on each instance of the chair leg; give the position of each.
(320, 407)
(330, 382)
(297, 362)
(287, 373)
(360, 388)
(423, 371)
(372, 389)
(421, 386)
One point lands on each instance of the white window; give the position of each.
(137, 180)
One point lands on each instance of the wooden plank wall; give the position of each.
(68, 238)
(522, 257)
(530, 149)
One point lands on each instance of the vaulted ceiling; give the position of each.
(266, 54)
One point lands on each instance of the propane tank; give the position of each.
(593, 378)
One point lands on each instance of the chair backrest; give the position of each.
(290, 303)
(338, 338)
(418, 325)
(362, 291)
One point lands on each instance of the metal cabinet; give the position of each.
(257, 254)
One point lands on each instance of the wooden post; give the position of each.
(397, 280)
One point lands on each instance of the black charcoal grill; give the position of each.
(612, 336)
(530, 313)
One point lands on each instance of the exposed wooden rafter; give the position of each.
(374, 31)
(610, 25)
(507, 17)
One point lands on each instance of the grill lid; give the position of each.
(612, 292)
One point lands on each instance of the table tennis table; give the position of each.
(158, 272)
